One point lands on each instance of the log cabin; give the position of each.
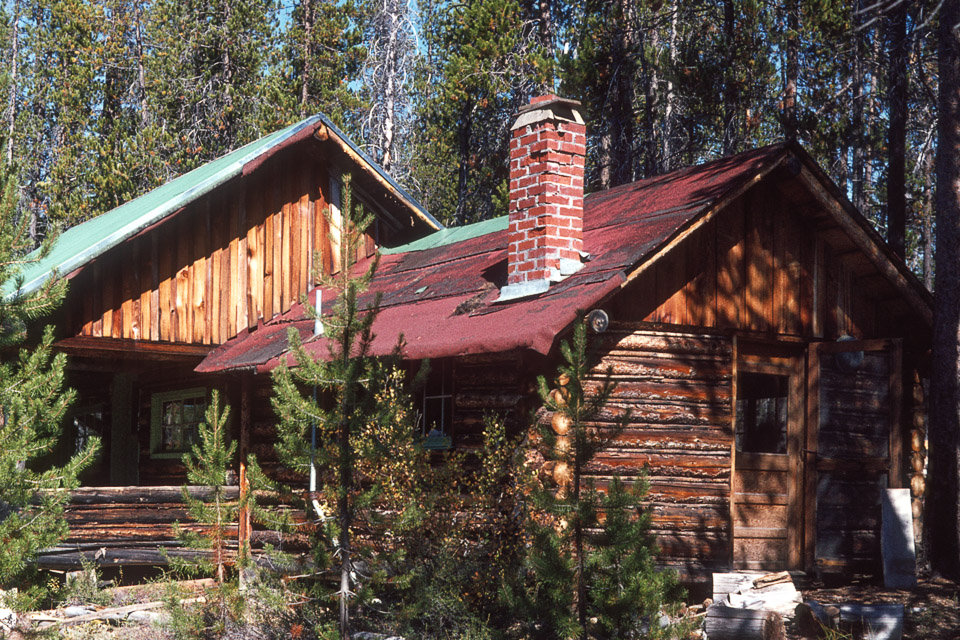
(770, 347)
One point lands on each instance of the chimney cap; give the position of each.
(548, 107)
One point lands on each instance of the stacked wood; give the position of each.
(729, 623)
(770, 592)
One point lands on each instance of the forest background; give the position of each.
(105, 100)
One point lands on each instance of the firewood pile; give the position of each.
(757, 606)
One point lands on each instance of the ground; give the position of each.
(931, 611)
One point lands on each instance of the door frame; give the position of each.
(777, 357)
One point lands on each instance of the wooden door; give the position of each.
(853, 451)
(768, 466)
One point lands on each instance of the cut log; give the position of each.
(813, 619)
(728, 623)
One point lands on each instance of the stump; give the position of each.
(728, 623)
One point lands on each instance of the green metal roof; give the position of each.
(451, 235)
(79, 245)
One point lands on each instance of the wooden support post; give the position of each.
(124, 443)
(243, 517)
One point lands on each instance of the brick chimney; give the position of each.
(547, 149)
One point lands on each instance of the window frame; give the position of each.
(445, 396)
(156, 408)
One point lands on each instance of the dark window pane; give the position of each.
(762, 406)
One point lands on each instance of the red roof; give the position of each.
(442, 300)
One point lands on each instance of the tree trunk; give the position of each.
(305, 51)
(141, 72)
(897, 92)
(14, 62)
(942, 519)
(648, 73)
(856, 128)
(928, 219)
(343, 512)
(793, 71)
(730, 142)
(668, 112)
(621, 116)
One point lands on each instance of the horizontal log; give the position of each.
(663, 342)
(143, 495)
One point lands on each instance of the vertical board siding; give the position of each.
(761, 267)
(677, 388)
(239, 255)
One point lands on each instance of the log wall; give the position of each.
(242, 253)
(677, 388)
(114, 517)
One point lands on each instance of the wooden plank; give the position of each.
(216, 266)
(268, 247)
(285, 271)
(233, 278)
(146, 287)
(810, 457)
(200, 331)
(730, 266)
(254, 259)
(155, 287)
(128, 291)
(702, 219)
(874, 250)
(243, 267)
(107, 285)
(164, 291)
(111, 348)
(184, 240)
(225, 268)
(293, 263)
(278, 264)
(305, 231)
(335, 223)
(83, 283)
(319, 231)
(209, 284)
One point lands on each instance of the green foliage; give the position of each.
(482, 62)
(33, 406)
(591, 570)
(207, 465)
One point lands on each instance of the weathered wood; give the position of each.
(143, 495)
(728, 623)
(897, 543)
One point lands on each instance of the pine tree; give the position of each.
(206, 77)
(482, 62)
(591, 553)
(33, 405)
(322, 54)
(363, 424)
(206, 466)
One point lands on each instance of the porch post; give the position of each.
(124, 442)
(243, 528)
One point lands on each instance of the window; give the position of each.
(762, 404)
(174, 418)
(437, 407)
